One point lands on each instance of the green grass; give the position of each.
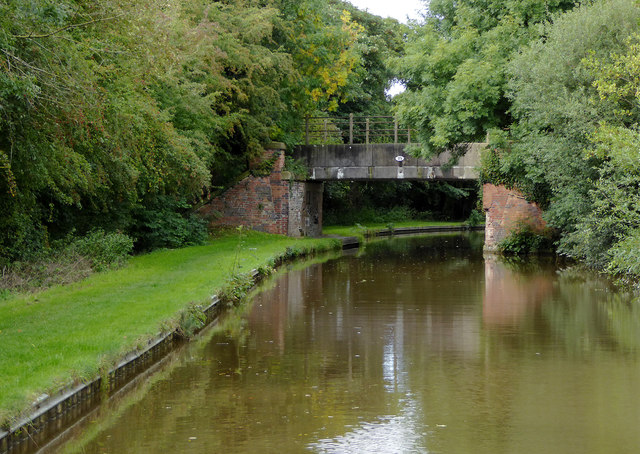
(361, 229)
(66, 333)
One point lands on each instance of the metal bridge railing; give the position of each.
(355, 130)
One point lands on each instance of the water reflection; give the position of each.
(512, 294)
(419, 345)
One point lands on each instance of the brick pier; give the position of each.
(507, 210)
(270, 202)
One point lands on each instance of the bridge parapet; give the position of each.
(356, 129)
(384, 162)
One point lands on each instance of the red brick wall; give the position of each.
(260, 203)
(506, 210)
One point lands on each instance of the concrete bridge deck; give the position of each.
(380, 162)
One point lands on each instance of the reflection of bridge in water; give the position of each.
(374, 148)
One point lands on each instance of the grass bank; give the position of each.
(67, 334)
(369, 228)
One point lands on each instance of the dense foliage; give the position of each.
(557, 86)
(122, 114)
(573, 142)
(380, 40)
(455, 66)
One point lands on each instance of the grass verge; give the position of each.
(367, 229)
(68, 334)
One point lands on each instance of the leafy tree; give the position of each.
(607, 237)
(615, 210)
(379, 41)
(320, 39)
(558, 110)
(81, 129)
(108, 107)
(455, 67)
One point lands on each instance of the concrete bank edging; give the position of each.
(54, 414)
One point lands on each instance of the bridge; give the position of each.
(374, 148)
(366, 162)
(355, 150)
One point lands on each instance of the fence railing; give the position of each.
(355, 130)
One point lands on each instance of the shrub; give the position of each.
(397, 214)
(475, 218)
(625, 256)
(103, 250)
(167, 223)
(67, 260)
(526, 240)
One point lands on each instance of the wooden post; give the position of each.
(367, 132)
(408, 135)
(306, 130)
(351, 129)
(395, 130)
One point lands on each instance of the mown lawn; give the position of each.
(66, 333)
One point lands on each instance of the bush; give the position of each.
(67, 260)
(103, 250)
(397, 214)
(625, 256)
(167, 223)
(525, 240)
(22, 234)
(475, 218)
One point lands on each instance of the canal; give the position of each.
(414, 345)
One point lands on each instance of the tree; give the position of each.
(114, 109)
(380, 40)
(557, 111)
(608, 236)
(455, 67)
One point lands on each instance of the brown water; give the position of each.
(418, 345)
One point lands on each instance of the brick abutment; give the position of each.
(269, 200)
(506, 211)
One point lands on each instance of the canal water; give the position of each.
(416, 345)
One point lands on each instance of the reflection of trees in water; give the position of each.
(590, 314)
(369, 320)
(532, 304)
(528, 264)
(623, 320)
